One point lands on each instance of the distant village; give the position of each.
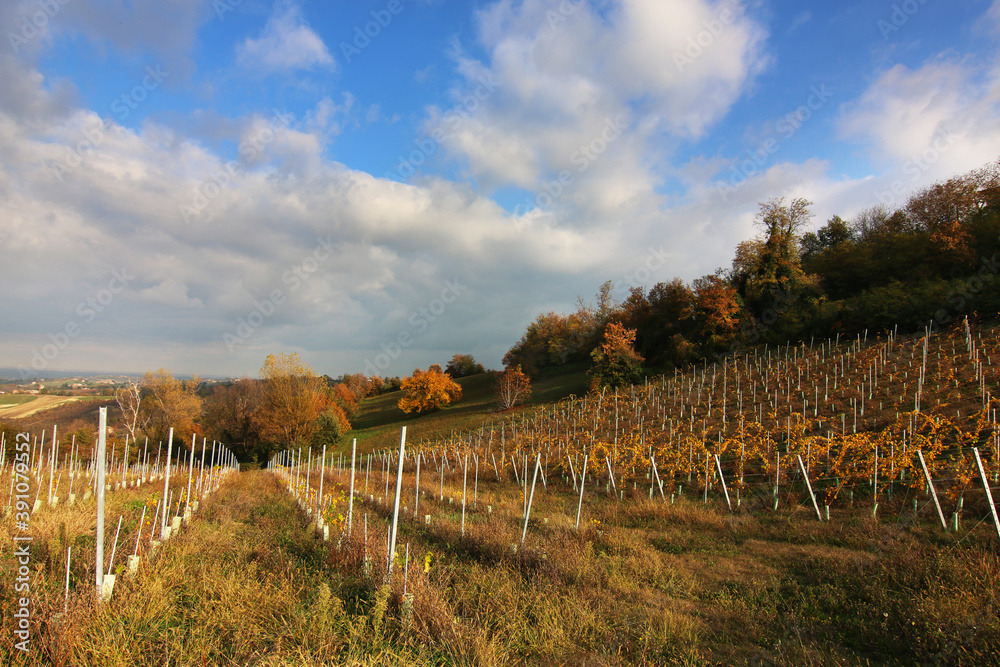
(73, 386)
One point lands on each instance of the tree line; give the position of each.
(287, 405)
(926, 263)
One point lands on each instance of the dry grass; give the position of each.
(40, 403)
(249, 582)
(650, 582)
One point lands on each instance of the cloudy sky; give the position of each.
(380, 184)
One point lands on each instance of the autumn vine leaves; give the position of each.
(848, 409)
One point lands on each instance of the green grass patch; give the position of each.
(377, 424)
(16, 399)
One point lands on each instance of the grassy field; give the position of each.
(76, 412)
(251, 582)
(25, 406)
(15, 399)
(646, 579)
(377, 425)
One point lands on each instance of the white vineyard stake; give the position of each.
(101, 450)
(531, 497)
(930, 487)
(986, 488)
(395, 508)
(166, 482)
(579, 505)
(812, 497)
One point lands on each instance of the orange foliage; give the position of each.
(513, 387)
(428, 390)
(718, 306)
(294, 397)
(345, 399)
(619, 340)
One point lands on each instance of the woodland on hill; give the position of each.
(928, 262)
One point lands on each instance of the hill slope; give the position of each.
(378, 423)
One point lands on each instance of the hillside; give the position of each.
(856, 411)
(26, 406)
(377, 424)
(669, 522)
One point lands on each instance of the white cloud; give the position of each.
(353, 256)
(170, 292)
(993, 16)
(558, 72)
(27, 94)
(286, 43)
(939, 119)
(166, 29)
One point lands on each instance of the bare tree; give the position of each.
(129, 399)
(513, 387)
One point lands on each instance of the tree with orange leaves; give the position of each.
(616, 363)
(717, 311)
(428, 390)
(513, 387)
(294, 398)
(168, 403)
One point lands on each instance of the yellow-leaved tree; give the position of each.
(616, 363)
(513, 387)
(428, 390)
(294, 398)
(164, 402)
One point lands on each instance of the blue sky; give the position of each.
(378, 185)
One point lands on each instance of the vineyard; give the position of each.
(821, 503)
(860, 421)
